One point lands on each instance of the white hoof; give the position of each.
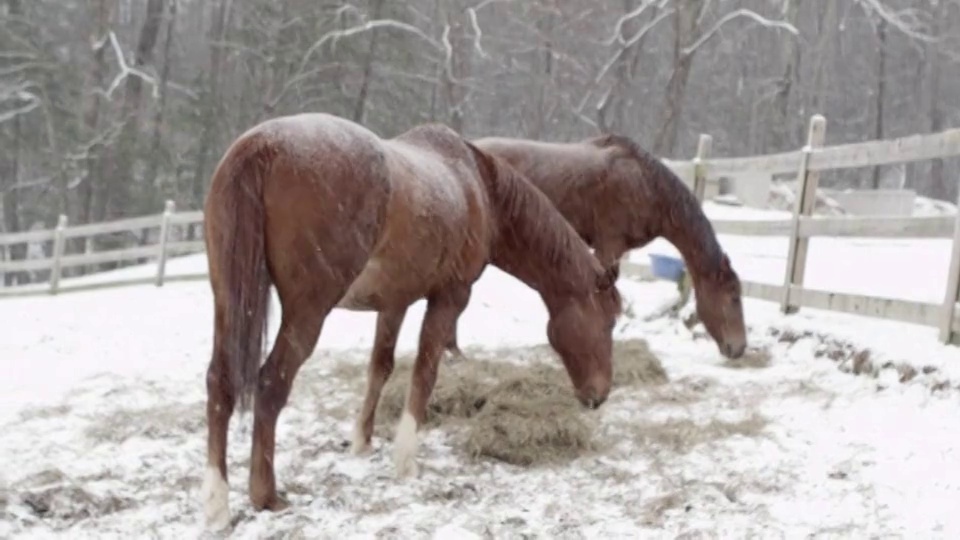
(405, 447)
(214, 494)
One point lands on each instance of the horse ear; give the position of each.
(485, 162)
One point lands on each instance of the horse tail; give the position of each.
(238, 257)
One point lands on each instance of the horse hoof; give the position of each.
(278, 504)
(360, 448)
(407, 467)
(405, 447)
(275, 503)
(214, 494)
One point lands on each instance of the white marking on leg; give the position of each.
(405, 446)
(214, 494)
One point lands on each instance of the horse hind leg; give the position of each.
(220, 402)
(443, 309)
(300, 328)
(378, 373)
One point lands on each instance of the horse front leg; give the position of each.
(452, 348)
(443, 308)
(378, 373)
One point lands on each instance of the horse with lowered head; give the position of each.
(331, 215)
(618, 197)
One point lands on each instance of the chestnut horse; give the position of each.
(334, 216)
(618, 197)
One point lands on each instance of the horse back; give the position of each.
(573, 175)
(438, 202)
(436, 230)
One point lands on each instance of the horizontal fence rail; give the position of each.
(805, 163)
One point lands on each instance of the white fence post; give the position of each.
(58, 244)
(806, 200)
(704, 147)
(168, 210)
(950, 296)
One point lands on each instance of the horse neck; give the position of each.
(553, 277)
(534, 243)
(689, 230)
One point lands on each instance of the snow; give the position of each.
(102, 413)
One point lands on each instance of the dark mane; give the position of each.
(687, 213)
(534, 224)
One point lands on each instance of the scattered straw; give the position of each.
(754, 358)
(458, 394)
(520, 413)
(634, 364)
(682, 434)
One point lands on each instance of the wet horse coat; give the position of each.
(618, 197)
(333, 216)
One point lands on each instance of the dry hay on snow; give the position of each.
(520, 413)
(753, 357)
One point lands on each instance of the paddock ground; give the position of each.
(848, 430)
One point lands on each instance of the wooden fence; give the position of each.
(806, 163)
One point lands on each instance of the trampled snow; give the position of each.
(103, 431)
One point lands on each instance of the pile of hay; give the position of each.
(523, 414)
(526, 420)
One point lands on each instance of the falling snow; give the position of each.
(102, 402)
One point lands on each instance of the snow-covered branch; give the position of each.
(32, 103)
(447, 52)
(625, 45)
(477, 34)
(617, 36)
(366, 27)
(126, 71)
(906, 21)
(750, 14)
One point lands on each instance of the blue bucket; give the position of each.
(667, 267)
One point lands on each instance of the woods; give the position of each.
(109, 107)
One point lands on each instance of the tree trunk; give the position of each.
(824, 52)
(120, 180)
(881, 90)
(9, 178)
(781, 123)
(210, 127)
(685, 27)
(938, 183)
(92, 185)
(359, 108)
(158, 153)
(612, 111)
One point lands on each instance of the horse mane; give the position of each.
(531, 223)
(685, 214)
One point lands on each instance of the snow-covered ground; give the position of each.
(103, 430)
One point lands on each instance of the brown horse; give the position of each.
(333, 216)
(618, 197)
